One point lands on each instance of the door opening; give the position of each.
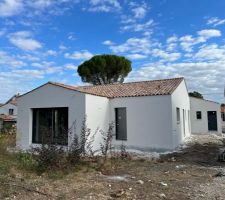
(212, 120)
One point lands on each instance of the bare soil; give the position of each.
(189, 173)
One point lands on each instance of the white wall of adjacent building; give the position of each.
(4, 109)
(149, 121)
(180, 128)
(200, 126)
(97, 115)
(47, 96)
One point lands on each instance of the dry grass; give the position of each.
(183, 173)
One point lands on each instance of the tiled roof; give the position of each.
(8, 117)
(132, 89)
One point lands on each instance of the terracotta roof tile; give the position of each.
(8, 117)
(132, 89)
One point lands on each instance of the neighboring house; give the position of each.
(223, 117)
(147, 115)
(205, 116)
(10, 107)
(8, 113)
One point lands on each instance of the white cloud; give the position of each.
(103, 5)
(10, 8)
(211, 52)
(136, 27)
(7, 60)
(172, 39)
(139, 12)
(136, 56)
(209, 33)
(165, 55)
(133, 45)
(24, 41)
(51, 53)
(204, 77)
(70, 66)
(108, 42)
(62, 47)
(215, 21)
(188, 41)
(79, 55)
(43, 64)
(71, 36)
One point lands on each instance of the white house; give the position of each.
(9, 107)
(205, 116)
(8, 113)
(147, 115)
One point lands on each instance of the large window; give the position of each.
(50, 125)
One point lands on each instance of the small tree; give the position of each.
(104, 69)
(196, 94)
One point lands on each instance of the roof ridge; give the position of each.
(126, 83)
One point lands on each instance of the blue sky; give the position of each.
(45, 40)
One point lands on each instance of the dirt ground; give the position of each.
(190, 173)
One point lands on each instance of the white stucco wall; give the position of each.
(5, 109)
(180, 99)
(149, 121)
(47, 96)
(97, 113)
(200, 126)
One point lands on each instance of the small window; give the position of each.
(198, 115)
(178, 115)
(11, 111)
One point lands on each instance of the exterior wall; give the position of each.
(5, 109)
(45, 97)
(149, 123)
(200, 126)
(97, 113)
(182, 129)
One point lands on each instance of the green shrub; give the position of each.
(26, 160)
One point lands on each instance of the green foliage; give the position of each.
(104, 69)
(196, 94)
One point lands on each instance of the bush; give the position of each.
(49, 157)
(106, 145)
(81, 146)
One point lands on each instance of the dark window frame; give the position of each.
(118, 137)
(178, 114)
(223, 116)
(199, 115)
(39, 131)
(11, 111)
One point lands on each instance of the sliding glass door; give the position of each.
(50, 125)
